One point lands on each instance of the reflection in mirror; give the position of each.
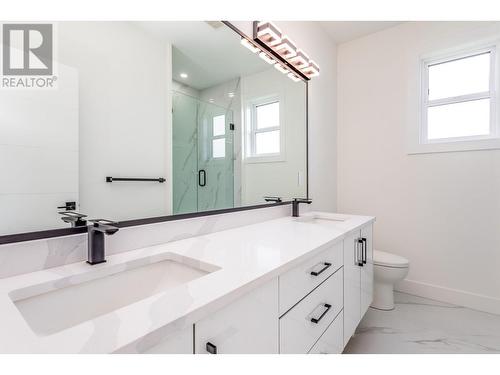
(186, 116)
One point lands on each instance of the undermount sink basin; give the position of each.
(77, 301)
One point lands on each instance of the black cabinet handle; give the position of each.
(326, 266)
(316, 320)
(360, 260)
(364, 250)
(203, 173)
(211, 348)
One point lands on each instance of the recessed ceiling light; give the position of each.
(183, 75)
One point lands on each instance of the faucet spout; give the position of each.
(295, 205)
(96, 241)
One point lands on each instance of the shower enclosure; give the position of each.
(203, 155)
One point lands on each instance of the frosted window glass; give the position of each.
(219, 123)
(459, 119)
(219, 148)
(267, 142)
(268, 115)
(460, 77)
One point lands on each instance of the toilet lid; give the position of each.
(381, 258)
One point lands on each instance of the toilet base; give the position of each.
(383, 296)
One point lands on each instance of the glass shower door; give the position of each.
(202, 155)
(215, 158)
(184, 153)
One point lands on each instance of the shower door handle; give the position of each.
(202, 181)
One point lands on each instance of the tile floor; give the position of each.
(419, 325)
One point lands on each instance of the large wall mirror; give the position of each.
(149, 119)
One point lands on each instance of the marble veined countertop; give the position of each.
(240, 259)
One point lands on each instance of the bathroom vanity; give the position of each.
(287, 285)
(189, 242)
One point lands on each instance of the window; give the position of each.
(264, 131)
(458, 97)
(219, 136)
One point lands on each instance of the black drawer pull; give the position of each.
(316, 320)
(326, 266)
(364, 250)
(360, 260)
(211, 348)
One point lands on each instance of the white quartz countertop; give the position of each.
(241, 259)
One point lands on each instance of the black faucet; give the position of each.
(273, 199)
(295, 205)
(96, 232)
(73, 218)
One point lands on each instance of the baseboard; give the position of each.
(453, 296)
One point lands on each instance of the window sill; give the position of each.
(264, 159)
(455, 146)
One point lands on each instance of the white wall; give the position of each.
(125, 116)
(322, 108)
(439, 210)
(38, 154)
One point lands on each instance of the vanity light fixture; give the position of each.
(293, 77)
(281, 68)
(286, 48)
(312, 70)
(300, 60)
(268, 59)
(245, 43)
(230, 94)
(277, 48)
(269, 33)
(183, 75)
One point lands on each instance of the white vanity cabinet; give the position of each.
(311, 300)
(312, 308)
(305, 323)
(332, 341)
(249, 325)
(358, 278)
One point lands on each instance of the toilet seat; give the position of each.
(381, 258)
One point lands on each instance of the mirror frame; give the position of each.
(61, 232)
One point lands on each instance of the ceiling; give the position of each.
(208, 52)
(344, 31)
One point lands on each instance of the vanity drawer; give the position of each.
(298, 282)
(303, 325)
(332, 341)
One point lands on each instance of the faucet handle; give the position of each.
(105, 226)
(303, 200)
(73, 218)
(272, 199)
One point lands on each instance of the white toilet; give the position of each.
(388, 270)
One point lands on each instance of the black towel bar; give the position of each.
(111, 179)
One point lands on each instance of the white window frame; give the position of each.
(214, 137)
(251, 130)
(490, 141)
